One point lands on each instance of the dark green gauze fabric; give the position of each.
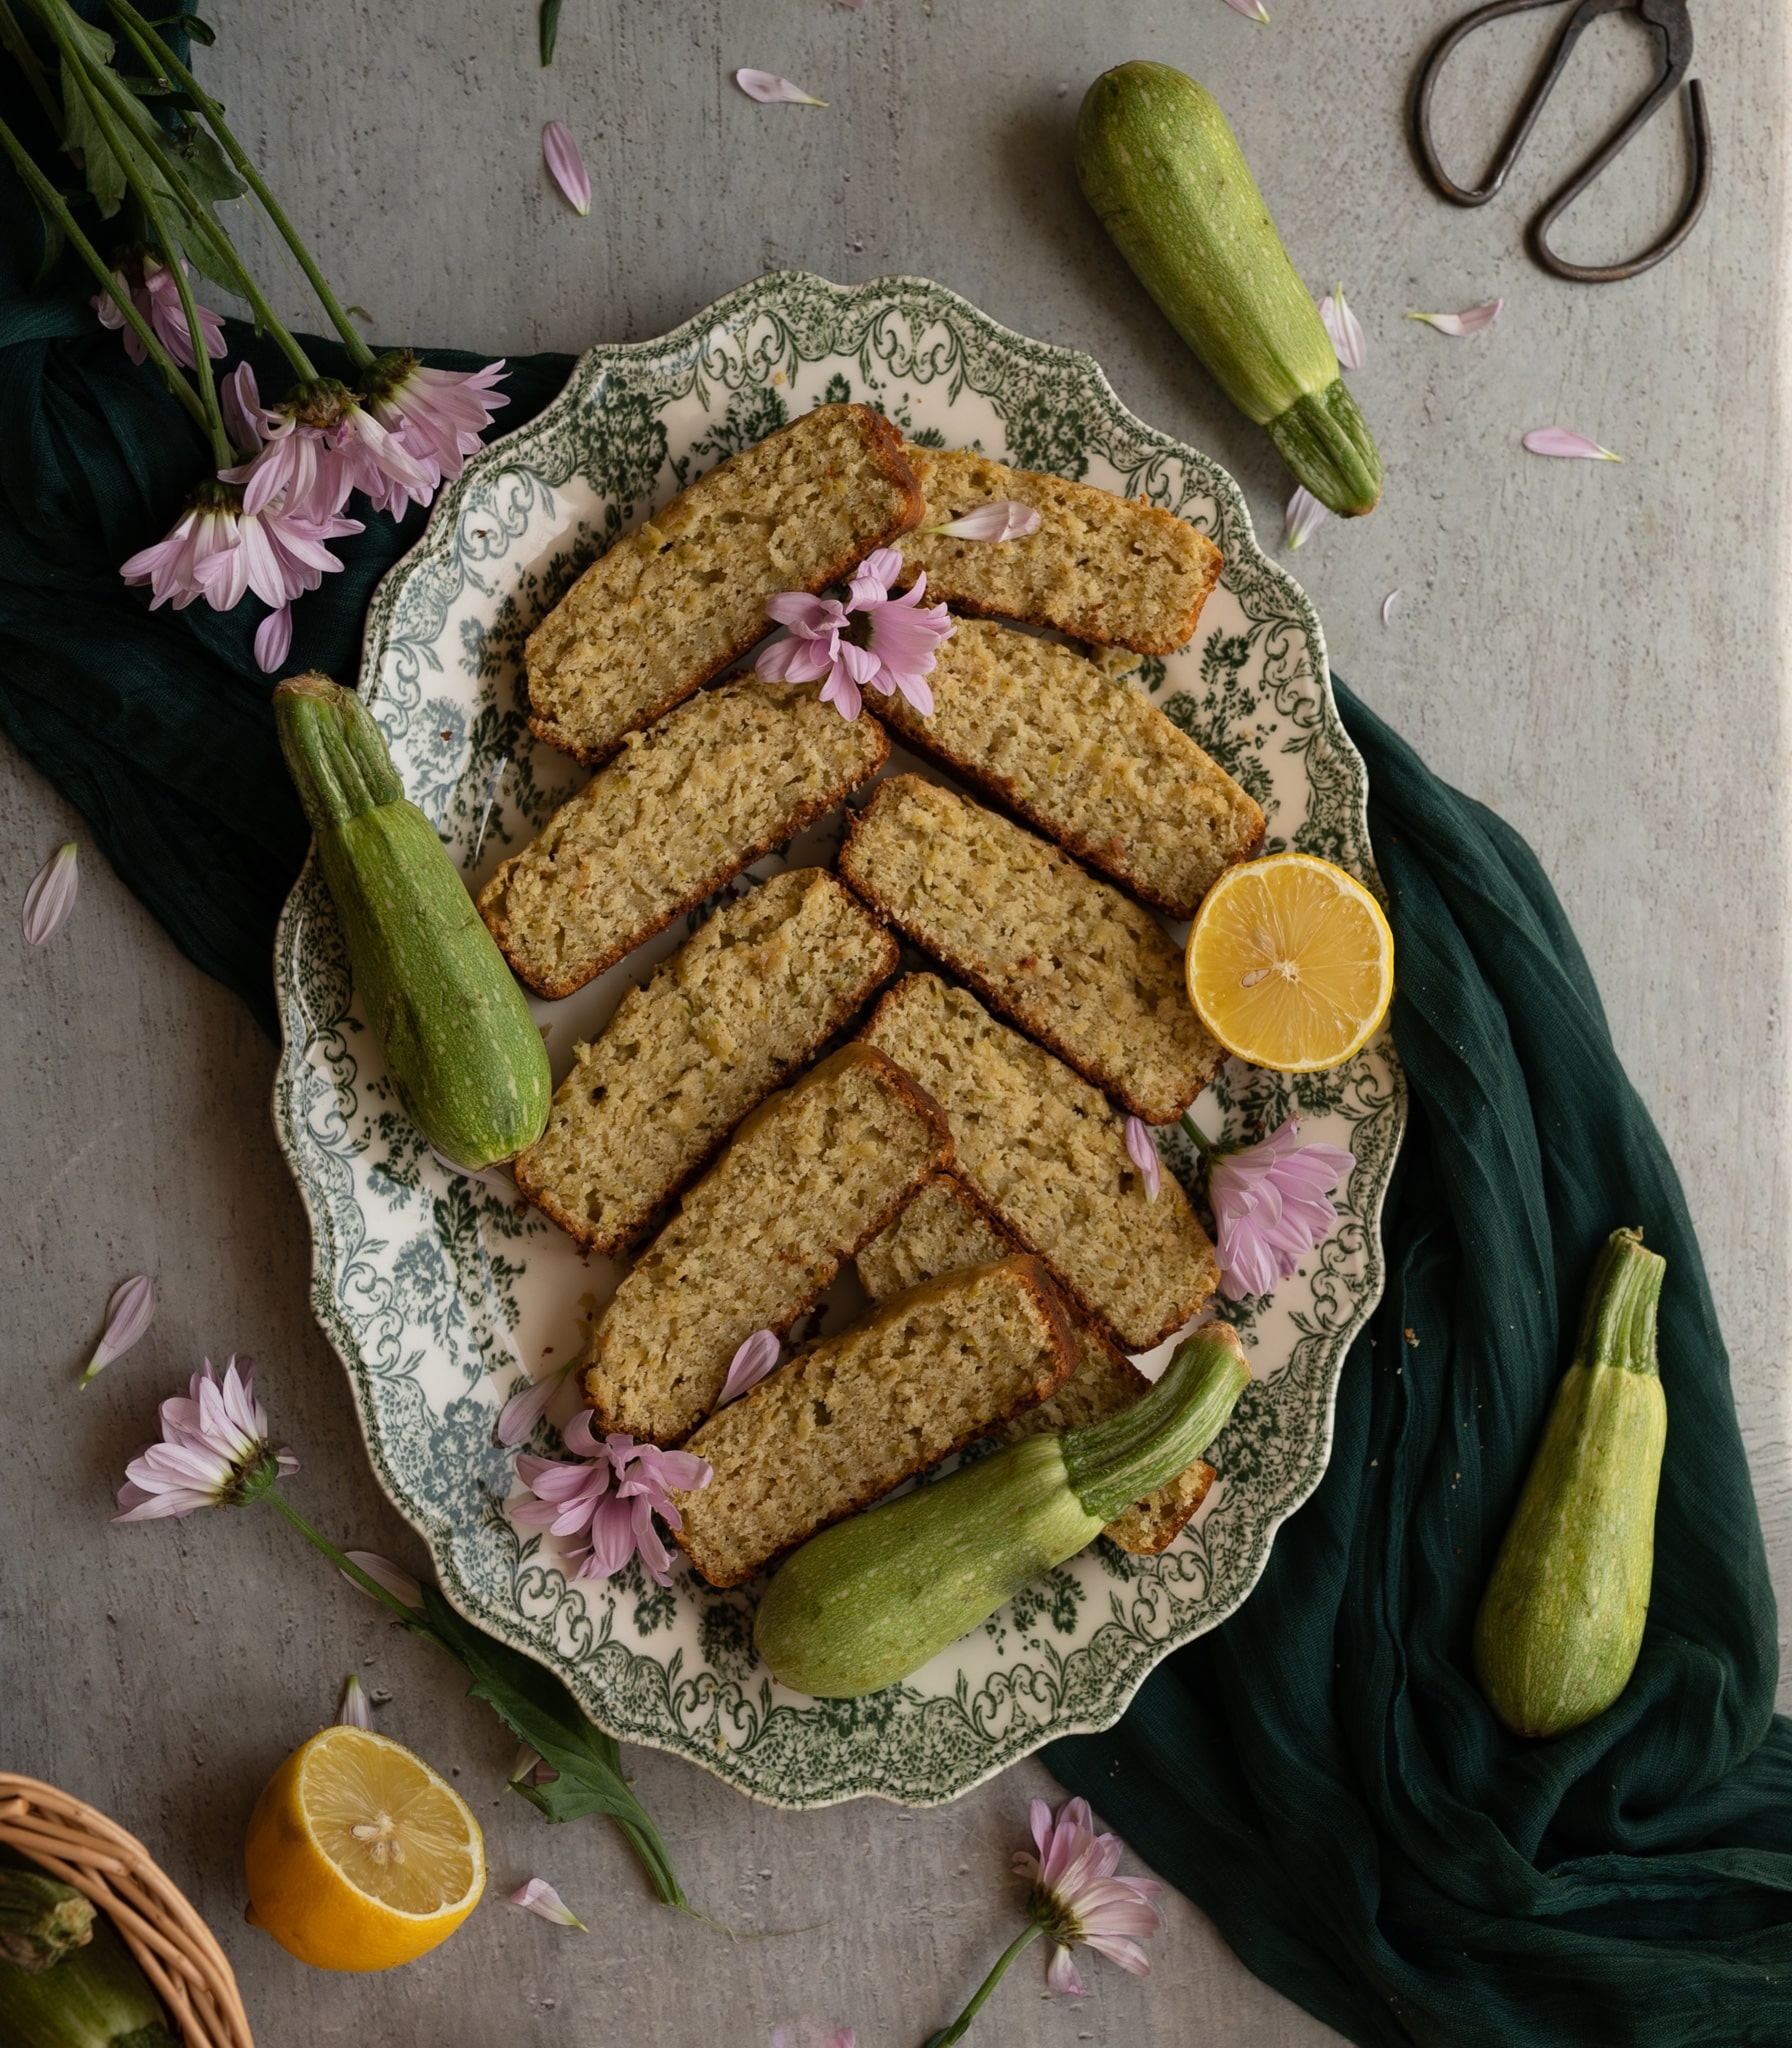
(1320, 1774)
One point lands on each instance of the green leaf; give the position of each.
(188, 25)
(81, 135)
(208, 169)
(550, 29)
(538, 1710)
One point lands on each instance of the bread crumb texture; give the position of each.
(943, 1230)
(1100, 567)
(1074, 962)
(742, 1005)
(1047, 1153)
(687, 805)
(683, 595)
(855, 1415)
(812, 1174)
(1088, 759)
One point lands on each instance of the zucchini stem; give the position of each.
(1619, 1325)
(1115, 1462)
(335, 752)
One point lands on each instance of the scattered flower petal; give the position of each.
(51, 896)
(1252, 10)
(352, 1710)
(531, 1765)
(755, 1358)
(1387, 604)
(1303, 518)
(1345, 329)
(128, 1314)
(1473, 321)
(519, 1415)
(214, 1451)
(1142, 1151)
(398, 1582)
(1001, 519)
(607, 1500)
(1270, 1207)
(567, 166)
(815, 2033)
(540, 1898)
(767, 87)
(273, 640)
(1562, 441)
(1077, 1896)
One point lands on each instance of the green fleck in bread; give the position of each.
(853, 1416)
(686, 806)
(1046, 1153)
(674, 602)
(1101, 567)
(1072, 961)
(812, 1174)
(1086, 758)
(945, 1229)
(742, 1005)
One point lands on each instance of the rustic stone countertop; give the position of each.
(1596, 651)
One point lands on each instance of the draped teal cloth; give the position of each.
(1320, 1774)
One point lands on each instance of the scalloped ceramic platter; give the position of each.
(441, 1292)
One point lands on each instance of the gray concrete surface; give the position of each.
(1595, 651)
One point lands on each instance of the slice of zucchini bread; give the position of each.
(744, 1003)
(1086, 758)
(1100, 567)
(683, 595)
(944, 1229)
(1077, 965)
(854, 1415)
(1046, 1153)
(813, 1173)
(687, 805)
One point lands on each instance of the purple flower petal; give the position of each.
(1562, 441)
(1270, 1209)
(1252, 10)
(352, 1710)
(273, 640)
(1345, 329)
(767, 87)
(1002, 519)
(128, 1314)
(519, 1415)
(384, 1572)
(540, 1898)
(1458, 325)
(1143, 1153)
(1387, 604)
(567, 166)
(51, 896)
(755, 1358)
(1303, 518)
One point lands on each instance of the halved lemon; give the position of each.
(359, 1856)
(1290, 963)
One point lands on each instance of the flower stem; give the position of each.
(1202, 1144)
(345, 1564)
(957, 2030)
(13, 40)
(56, 207)
(157, 53)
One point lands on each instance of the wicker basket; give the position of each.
(174, 1947)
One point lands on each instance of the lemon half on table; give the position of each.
(359, 1856)
(1290, 963)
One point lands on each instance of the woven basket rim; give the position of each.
(175, 1949)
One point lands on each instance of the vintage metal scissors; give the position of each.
(1672, 26)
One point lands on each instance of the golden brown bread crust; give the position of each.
(1029, 1272)
(887, 449)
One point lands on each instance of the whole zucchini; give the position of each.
(1561, 1623)
(1164, 172)
(466, 1059)
(871, 1599)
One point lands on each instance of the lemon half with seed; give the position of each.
(359, 1856)
(1290, 963)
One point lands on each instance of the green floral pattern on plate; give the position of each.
(436, 1288)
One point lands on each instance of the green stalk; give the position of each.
(98, 83)
(335, 753)
(957, 2030)
(1113, 1463)
(13, 40)
(56, 206)
(164, 62)
(1618, 1325)
(346, 1564)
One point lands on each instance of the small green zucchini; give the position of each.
(871, 1599)
(67, 1980)
(1164, 173)
(466, 1059)
(1561, 1622)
